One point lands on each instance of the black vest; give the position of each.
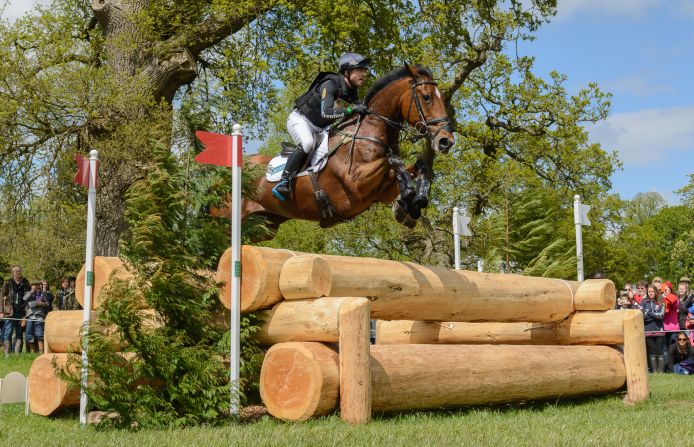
(309, 103)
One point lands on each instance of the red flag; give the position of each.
(82, 175)
(218, 148)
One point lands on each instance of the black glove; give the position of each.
(359, 108)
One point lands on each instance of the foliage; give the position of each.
(171, 370)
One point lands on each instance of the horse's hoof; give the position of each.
(409, 222)
(398, 212)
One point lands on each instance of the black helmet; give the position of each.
(348, 61)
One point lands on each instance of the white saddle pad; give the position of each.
(317, 161)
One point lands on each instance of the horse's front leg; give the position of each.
(424, 172)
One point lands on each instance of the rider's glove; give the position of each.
(357, 108)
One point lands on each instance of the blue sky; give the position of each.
(640, 50)
(643, 52)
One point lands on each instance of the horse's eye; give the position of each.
(426, 98)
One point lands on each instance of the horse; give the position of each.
(364, 166)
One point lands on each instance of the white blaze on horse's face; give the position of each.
(438, 93)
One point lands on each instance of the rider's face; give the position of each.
(358, 76)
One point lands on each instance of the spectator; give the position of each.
(679, 352)
(653, 312)
(12, 295)
(60, 296)
(624, 301)
(640, 291)
(69, 300)
(686, 299)
(47, 294)
(37, 306)
(671, 319)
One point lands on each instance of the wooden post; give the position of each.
(355, 373)
(305, 276)
(635, 357)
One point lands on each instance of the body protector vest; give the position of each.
(309, 104)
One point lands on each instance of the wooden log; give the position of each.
(301, 320)
(104, 267)
(404, 290)
(635, 357)
(355, 375)
(259, 277)
(410, 377)
(305, 276)
(47, 393)
(300, 380)
(582, 328)
(63, 329)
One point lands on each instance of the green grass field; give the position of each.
(666, 420)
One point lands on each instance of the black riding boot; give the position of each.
(295, 162)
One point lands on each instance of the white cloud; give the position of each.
(644, 136)
(637, 85)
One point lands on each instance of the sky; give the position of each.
(642, 51)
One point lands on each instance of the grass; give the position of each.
(21, 362)
(665, 420)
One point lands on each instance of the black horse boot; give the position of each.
(282, 191)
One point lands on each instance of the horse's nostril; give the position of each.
(445, 144)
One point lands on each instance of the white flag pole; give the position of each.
(456, 238)
(579, 237)
(89, 281)
(235, 326)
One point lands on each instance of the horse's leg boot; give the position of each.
(282, 191)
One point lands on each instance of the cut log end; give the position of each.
(306, 276)
(300, 380)
(47, 393)
(595, 294)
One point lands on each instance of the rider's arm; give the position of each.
(328, 108)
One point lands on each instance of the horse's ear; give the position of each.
(412, 70)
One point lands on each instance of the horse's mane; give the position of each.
(391, 77)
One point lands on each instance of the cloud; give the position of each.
(637, 85)
(645, 136)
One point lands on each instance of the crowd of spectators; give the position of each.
(668, 316)
(25, 306)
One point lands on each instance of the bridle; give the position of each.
(422, 127)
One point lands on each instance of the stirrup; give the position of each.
(278, 195)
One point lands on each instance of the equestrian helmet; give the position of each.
(349, 61)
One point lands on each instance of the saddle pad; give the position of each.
(317, 161)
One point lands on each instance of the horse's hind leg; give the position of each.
(402, 216)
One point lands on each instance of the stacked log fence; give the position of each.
(444, 339)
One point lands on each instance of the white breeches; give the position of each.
(302, 131)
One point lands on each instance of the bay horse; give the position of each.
(365, 166)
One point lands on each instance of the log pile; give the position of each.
(445, 338)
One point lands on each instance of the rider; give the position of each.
(318, 108)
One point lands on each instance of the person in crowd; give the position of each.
(625, 301)
(686, 299)
(653, 312)
(640, 291)
(671, 322)
(12, 296)
(679, 352)
(37, 306)
(657, 282)
(69, 299)
(48, 295)
(63, 294)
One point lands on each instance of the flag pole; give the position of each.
(456, 238)
(89, 281)
(579, 237)
(235, 323)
